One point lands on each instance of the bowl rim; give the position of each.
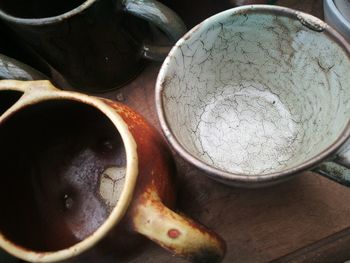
(240, 179)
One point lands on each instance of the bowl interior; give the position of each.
(255, 92)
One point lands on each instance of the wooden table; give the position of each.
(304, 220)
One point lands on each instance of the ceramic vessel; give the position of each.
(13, 69)
(80, 171)
(94, 45)
(257, 94)
(335, 18)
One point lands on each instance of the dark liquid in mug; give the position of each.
(53, 156)
(38, 8)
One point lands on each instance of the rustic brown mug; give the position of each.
(77, 170)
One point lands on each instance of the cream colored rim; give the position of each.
(38, 91)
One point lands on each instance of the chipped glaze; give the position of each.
(138, 193)
(111, 185)
(256, 92)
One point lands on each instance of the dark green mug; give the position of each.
(95, 45)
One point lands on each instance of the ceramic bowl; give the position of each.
(335, 18)
(256, 94)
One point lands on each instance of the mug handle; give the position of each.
(30, 90)
(162, 17)
(176, 233)
(338, 169)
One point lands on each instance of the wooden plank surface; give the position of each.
(306, 219)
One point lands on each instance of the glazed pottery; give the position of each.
(257, 94)
(334, 17)
(80, 170)
(95, 45)
(13, 69)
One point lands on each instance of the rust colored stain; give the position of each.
(156, 165)
(174, 233)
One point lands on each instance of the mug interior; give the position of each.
(8, 98)
(63, 170)
(255, 92)
(38, 8)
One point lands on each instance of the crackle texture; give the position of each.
(256, 93)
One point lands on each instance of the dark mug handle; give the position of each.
(162, 17)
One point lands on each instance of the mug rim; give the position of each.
(47, 20)
(241, 179)
(35, 97)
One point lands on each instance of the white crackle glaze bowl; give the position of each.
(256, 94)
